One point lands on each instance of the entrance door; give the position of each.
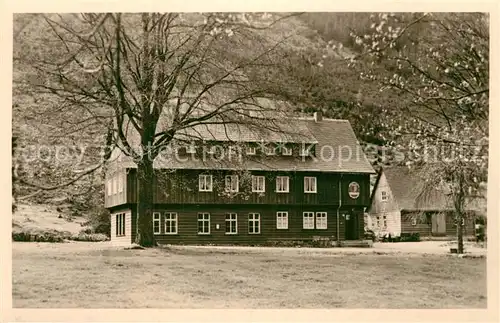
(439, 224)
(351, 224)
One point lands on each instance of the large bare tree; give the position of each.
(155, 75)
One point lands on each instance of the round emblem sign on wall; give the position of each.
(353, 190)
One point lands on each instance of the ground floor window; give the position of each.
(281, 220)
(308, 220)
(231, 223)
(203, 223)
(156, 222)
(254, 223)
(321, 220)
(120, 224)
(171, 223)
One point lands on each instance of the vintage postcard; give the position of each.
(218, 157)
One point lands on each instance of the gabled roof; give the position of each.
(407, 185)
(290, 132)
(337, 148)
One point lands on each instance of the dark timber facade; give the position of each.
(279, 191)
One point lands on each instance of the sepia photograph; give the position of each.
(250, 160)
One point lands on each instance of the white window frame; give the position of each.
(270, 150)
(413, 221)
(191, 149)
(157, 220)
(120, 225)
(306, 223)
(251, 150)
(384, 196)
(254, 223)
(233, 150)
(286, 151)
(282, 220)
(306, 186)
(385, 220)
(323, 223)
(255, 184)
(229, 181)
(212, 150)
(231, 220)
(207, 184)
(203, 220)
(170, 217)
(304, 151)
(286, 181)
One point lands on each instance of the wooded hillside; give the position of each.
(354, 66)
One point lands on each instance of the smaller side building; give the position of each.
(396, 208)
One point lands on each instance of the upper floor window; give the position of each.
(270, 150)
(286, 151)
(309, 184)
(232, 183)
(251, 150)
(384, 195)
(191, 149)
(304, 150)
(232, 150)
(307, 150)
(212, 150)
(205, 183)
(282, 184)
(258, 183)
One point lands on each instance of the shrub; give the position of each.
(37, 237)
(99, 222)
(370, 235)
(56, 236)
(93, 237)
(410, 237)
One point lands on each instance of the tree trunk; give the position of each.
(145, 178)
(459, 208)
(460, 234)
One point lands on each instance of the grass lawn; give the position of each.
(85, 275)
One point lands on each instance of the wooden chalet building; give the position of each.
(396, 207)
(313, 185)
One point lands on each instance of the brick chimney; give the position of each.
(318, 116)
